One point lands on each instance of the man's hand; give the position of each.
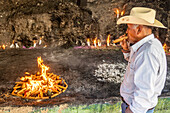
(124, 43)
(128, 110)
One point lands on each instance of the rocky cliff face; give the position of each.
(69, 22)
(57, 23)
(104, 11)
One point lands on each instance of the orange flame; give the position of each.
(88, 42)
(40, 41)
(3, 46)
(95, 42)
(45, 46)
(43, 68)
(108, 40)
(116, 10)
(38, 86)
(119, 12)
(122, 13)
(164, 46)
(34, 43)
(99, 42)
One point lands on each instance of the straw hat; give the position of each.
(142, 16)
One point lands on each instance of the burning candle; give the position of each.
(117, 12)
(45, 46)
(99, 42)
(95, 41)
(16, 44)
(108, 40)
(34, 43)
(12, 45)
(40, 41)
(3, 46)
(88, 42)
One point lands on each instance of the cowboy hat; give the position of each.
(141, 16)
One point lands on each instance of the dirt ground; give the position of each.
(76, 66)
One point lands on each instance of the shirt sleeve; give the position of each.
(145, 74)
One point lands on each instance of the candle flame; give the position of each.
(99, 42)
(119, 12)
(3, 46)
(95, 41)
(45, 46)
(116, 10)
(40, 41)
(164, 46)
(108, 40)
(88, 42)
(123, 12)
(34, 43)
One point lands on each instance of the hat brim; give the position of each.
(140, 21)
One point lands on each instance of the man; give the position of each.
(147, 66)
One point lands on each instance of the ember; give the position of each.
(42, 85)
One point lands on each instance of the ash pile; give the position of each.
(110, 72)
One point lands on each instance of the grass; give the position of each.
(163, 106)
(95, 108)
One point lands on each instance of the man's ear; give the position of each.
(139, 29)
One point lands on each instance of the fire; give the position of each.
(40, 41)
(123, 12)
(42, 85)
(99, 42)
(3, 46)
(34, 42)
(117, 12)
(88, 42)
(108, 40)
(95, 42)
(164, 47)
(45, 46)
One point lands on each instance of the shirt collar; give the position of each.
(136, 46)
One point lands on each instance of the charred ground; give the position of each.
(76, 66)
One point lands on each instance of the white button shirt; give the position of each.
(145, 75)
